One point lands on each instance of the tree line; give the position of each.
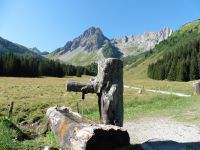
(183, 64)
(18, 66)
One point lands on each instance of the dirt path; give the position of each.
(158, 91)
(162, 129)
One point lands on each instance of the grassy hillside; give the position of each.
(183, 36)
(7, 46)
(77, 58)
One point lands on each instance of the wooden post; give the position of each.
(10, 109)
(108, 85)
(77, 106)
(73, 131)
(196, 88)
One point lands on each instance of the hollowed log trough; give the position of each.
(73, 131)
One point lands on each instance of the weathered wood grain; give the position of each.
(74, 132)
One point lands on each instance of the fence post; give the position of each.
(10, 109)
(196, 88)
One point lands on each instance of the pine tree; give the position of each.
(182, 64)
(183, 72)
(172, 72)
(79, 71)
(194, 69)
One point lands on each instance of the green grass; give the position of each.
(52, 139)
(190, 26)
(161, 105)
(7, 136)
(83, 58)
(12, 138)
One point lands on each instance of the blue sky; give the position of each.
(49, 24)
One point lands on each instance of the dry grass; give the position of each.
(33, 96)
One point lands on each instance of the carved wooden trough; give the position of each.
(74, 132)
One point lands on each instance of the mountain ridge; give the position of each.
(88, 46)
(141, 43)
(7, 46)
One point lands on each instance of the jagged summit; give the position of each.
(92, 31)
(91, 39)
(137, 44)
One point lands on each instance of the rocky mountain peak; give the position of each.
(166, 32)
(92, 31)
(90, 40)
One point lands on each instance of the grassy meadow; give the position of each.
(32, 97)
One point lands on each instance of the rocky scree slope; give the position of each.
(134, 45)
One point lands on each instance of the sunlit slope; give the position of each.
(186, 34)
